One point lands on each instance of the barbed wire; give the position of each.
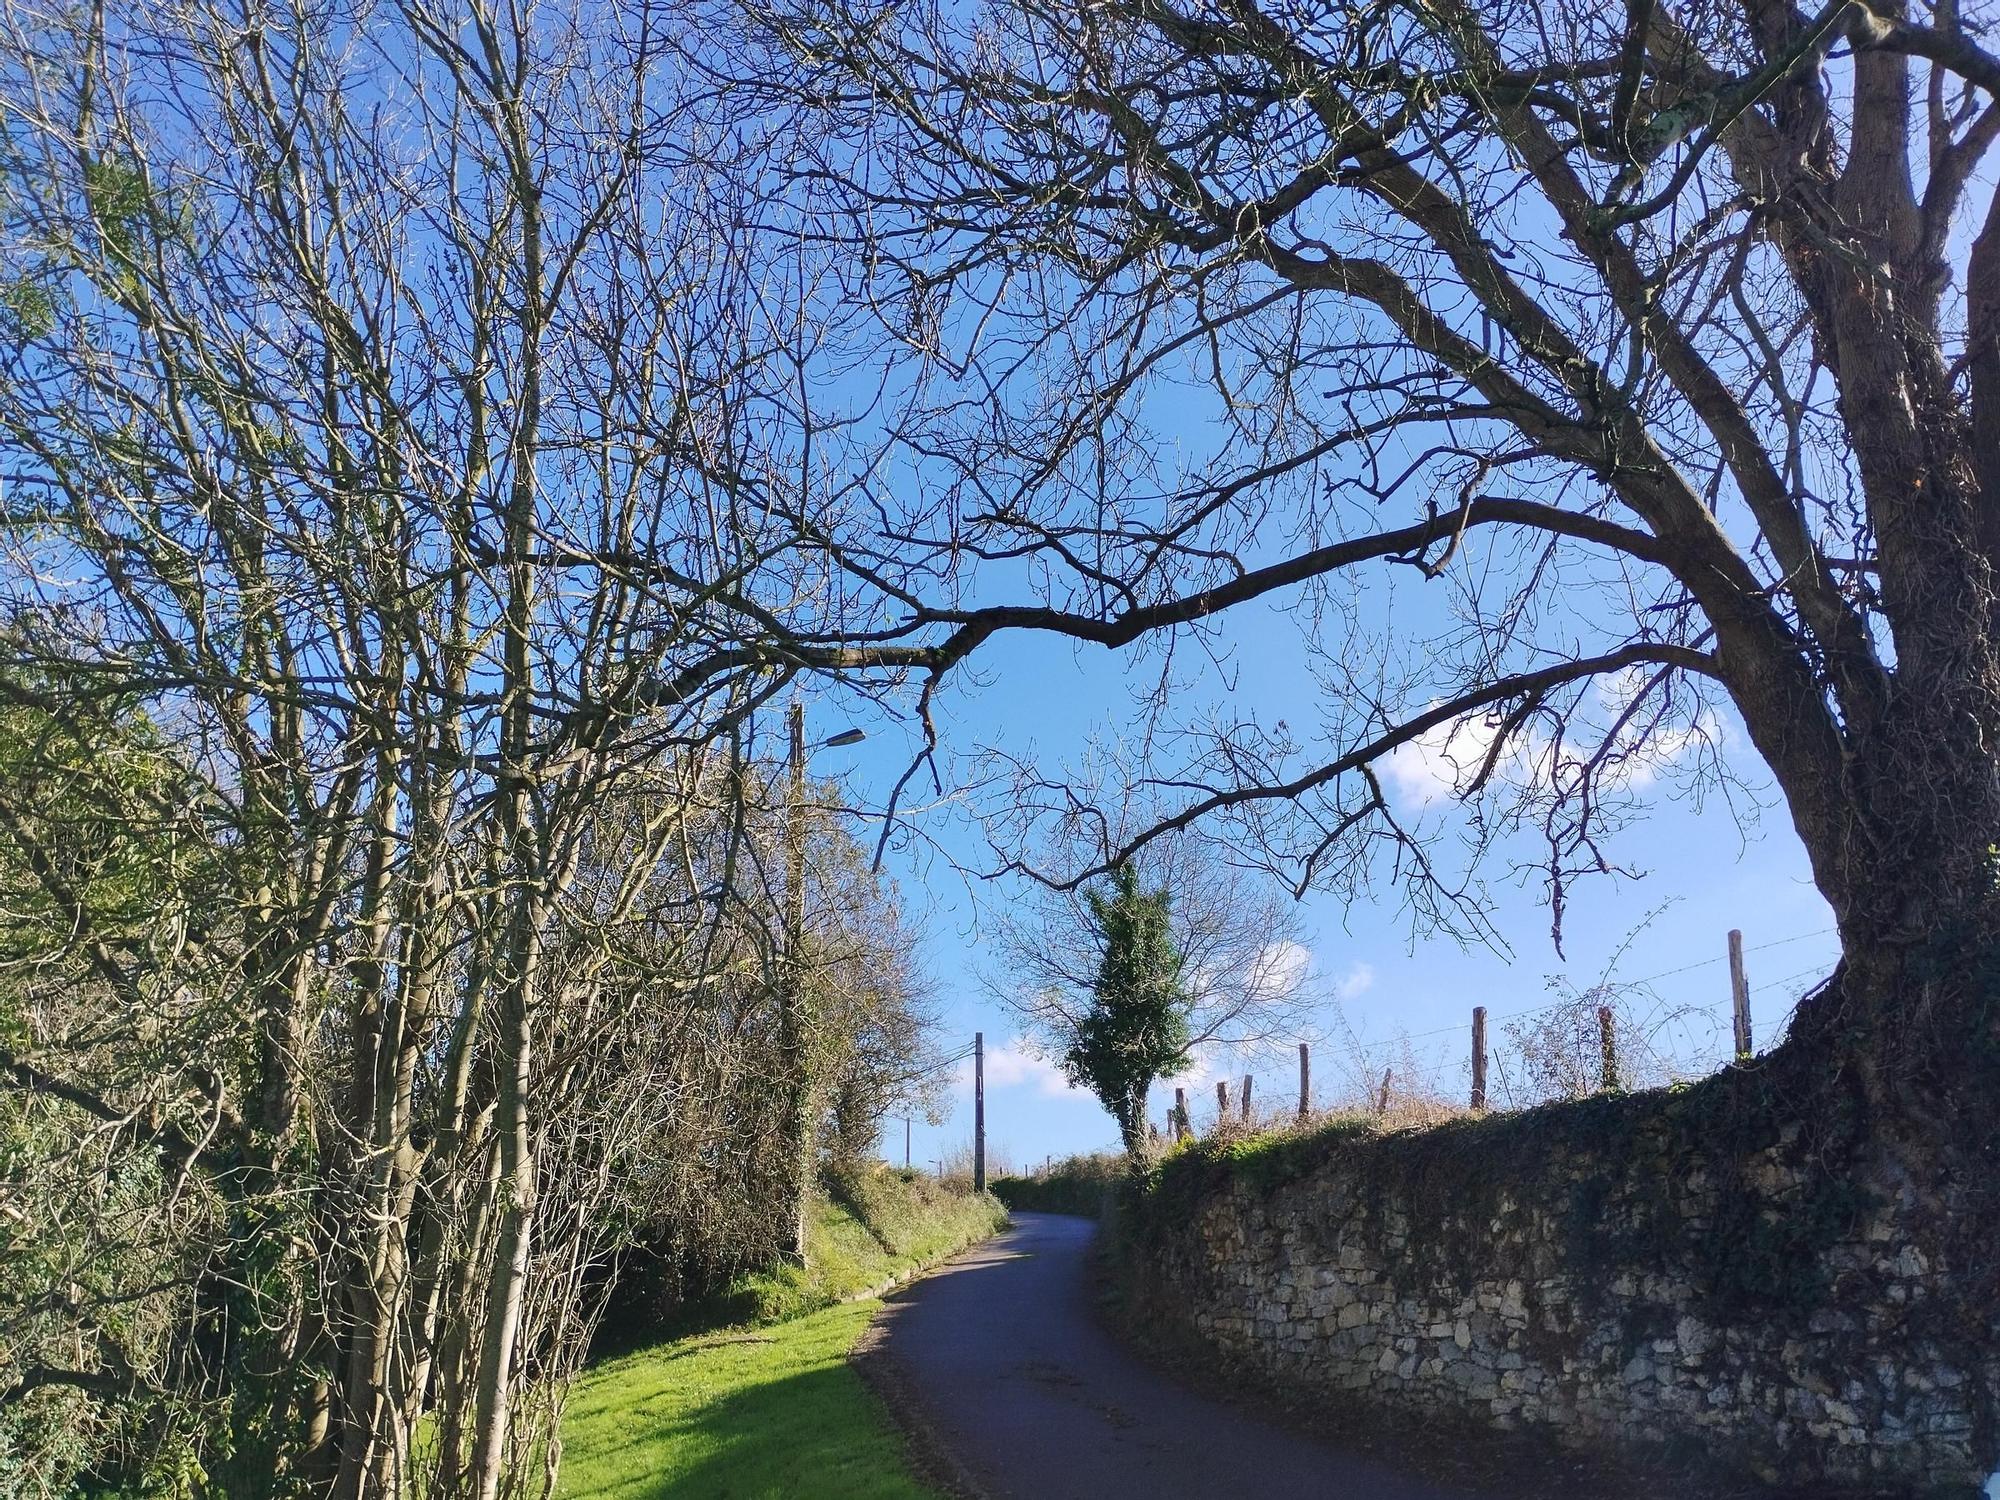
(1703, 963)
(1537, 1010)
(1269, 1084)
(1262, 1081)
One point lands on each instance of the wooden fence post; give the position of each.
(1382, 1104)
(1478, 1057)
(1246, 1098)
(1739, 991)
(1305, 1081)
(1607, 1037)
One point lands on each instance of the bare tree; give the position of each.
(1637, 340)
(398, 415)
(877, 1052)
(1587, 1040)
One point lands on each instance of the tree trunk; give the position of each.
(1905, 853)
(1911, 1011)
(508, 1286)
(795, 1022)
(1130, 1112)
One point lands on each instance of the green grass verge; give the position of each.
(768, 1406)
(723, 1418)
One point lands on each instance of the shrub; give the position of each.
(1075, 1185)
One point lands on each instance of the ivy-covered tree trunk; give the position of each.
(1129, 1110)
(1136, 1027)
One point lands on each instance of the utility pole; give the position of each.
(792, 1017)
(906, 1143)
(979, 1111)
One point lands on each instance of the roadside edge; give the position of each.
(930, 1456)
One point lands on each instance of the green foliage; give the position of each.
(1082, 1185)
(773, 1414)
(1137, 1026)
(1264, 1160)
(120, 203)
(27, 309)
(46, 1442)
(110, 807)
(30, 280)
(877, 1225)
(103, 859)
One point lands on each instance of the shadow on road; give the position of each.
(1018, 1380)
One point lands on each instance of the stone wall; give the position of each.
(1659, 1269)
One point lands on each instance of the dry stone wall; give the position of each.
(1658, 1270)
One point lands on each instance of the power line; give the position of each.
(1369, 1049)
(928, 1069)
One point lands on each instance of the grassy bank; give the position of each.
(768, 1406)
(872, 1231)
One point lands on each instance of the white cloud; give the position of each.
(1206, 1067)
(1356, 982)
(1199, 1071)
(1666, 744)
(1661, 750)
(1014, 1066)
(1442, 760)
(1279, 969)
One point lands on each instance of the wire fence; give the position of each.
(1533, 1053)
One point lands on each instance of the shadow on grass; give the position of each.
(745, 1421)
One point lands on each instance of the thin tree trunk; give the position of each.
(508, 1284)
(526, 863)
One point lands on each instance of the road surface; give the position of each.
(1018, 1382)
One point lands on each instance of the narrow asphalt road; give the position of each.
(1015, 1377)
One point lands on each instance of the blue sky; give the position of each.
(1705, 864)
(1701, 872)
